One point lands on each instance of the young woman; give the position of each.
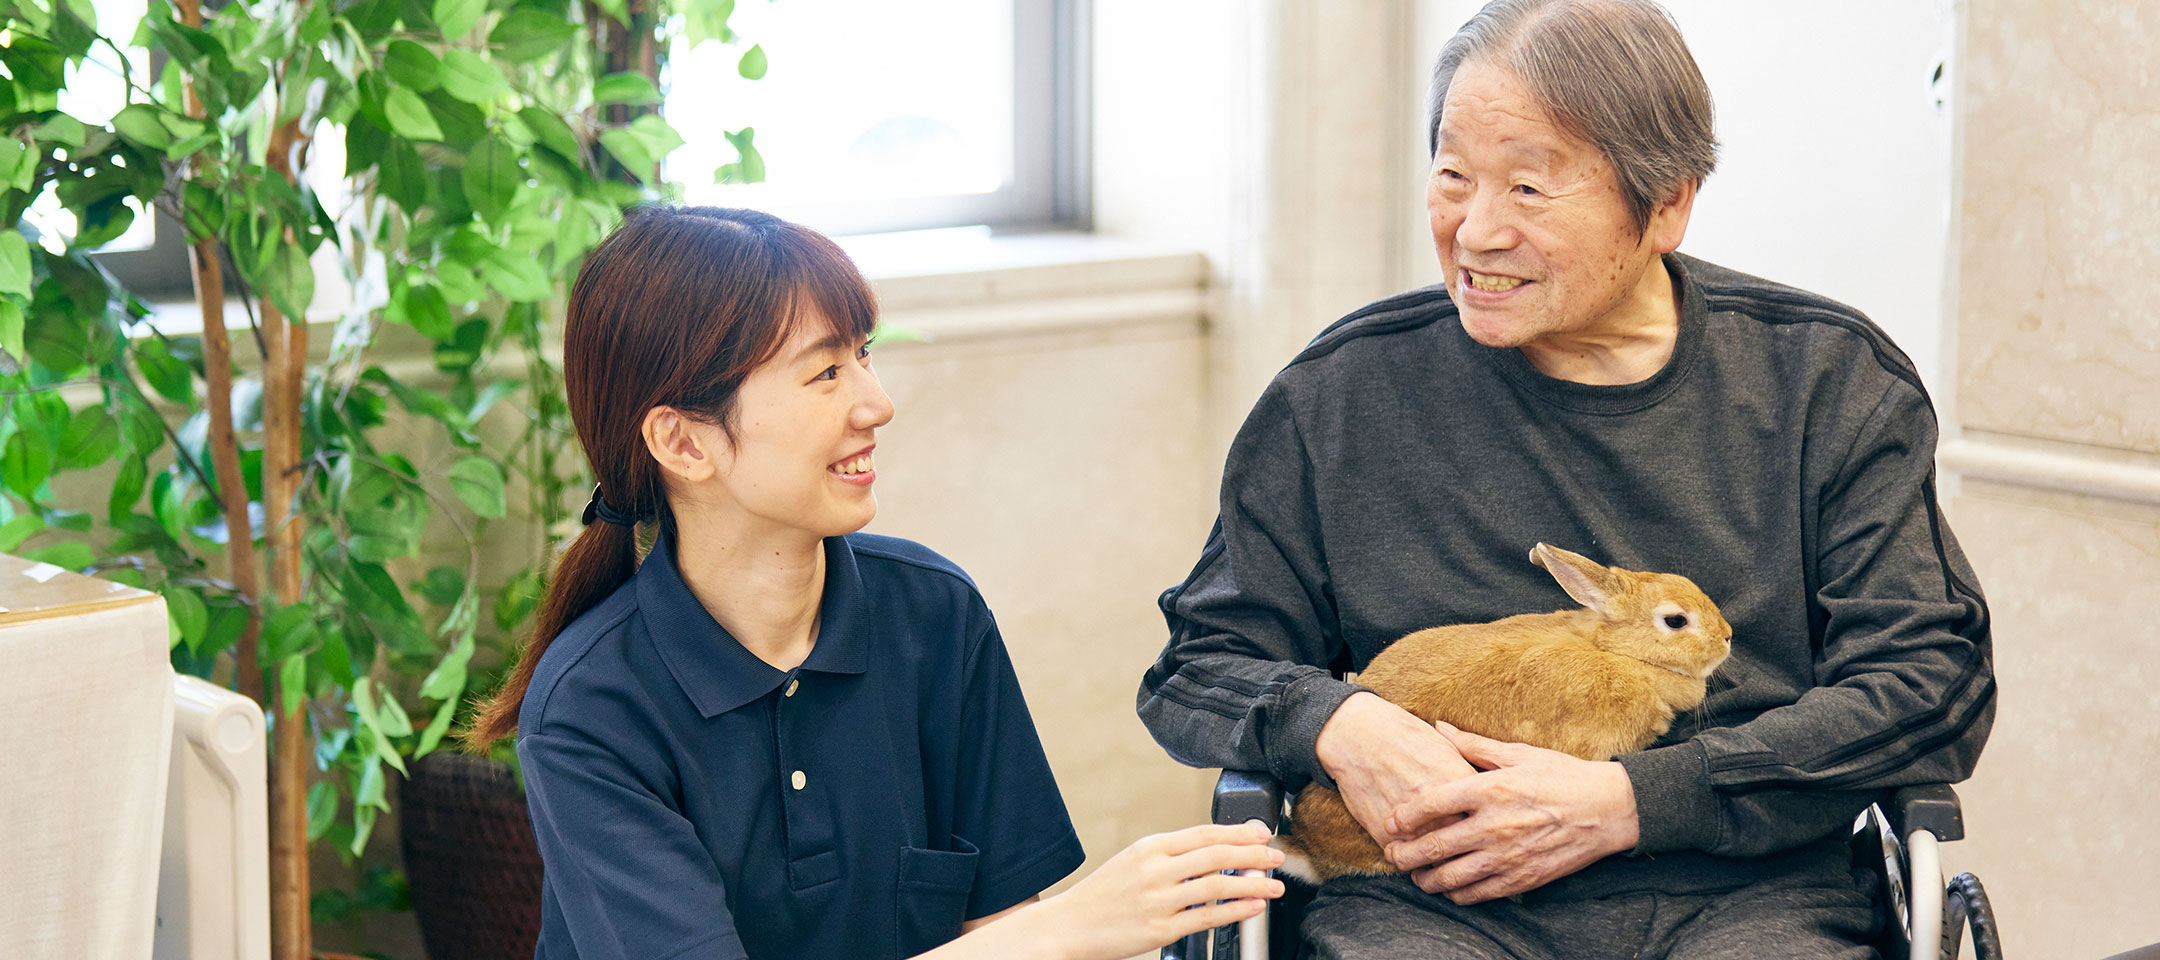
(776, 737)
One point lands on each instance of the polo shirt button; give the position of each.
(791, 685)
(798, 779)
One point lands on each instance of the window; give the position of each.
(875, 116)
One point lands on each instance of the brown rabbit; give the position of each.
(1593, 683)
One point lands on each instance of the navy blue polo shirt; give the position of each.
(692, 801)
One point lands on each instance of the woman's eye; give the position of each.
(1527, 190)
(1675, 620)
(830, 373)
(863, 352)
(1450, 175)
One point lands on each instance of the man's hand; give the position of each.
(1381, 756)
(1534, 816)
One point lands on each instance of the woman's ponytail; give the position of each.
(600, 560)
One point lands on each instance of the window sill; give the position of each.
(943, 286)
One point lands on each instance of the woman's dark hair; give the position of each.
(674, 308)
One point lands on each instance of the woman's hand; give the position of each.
(1138, 900)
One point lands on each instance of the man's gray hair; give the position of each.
(1613, 73)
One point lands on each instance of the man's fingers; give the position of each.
(1489, 888)
(1458, 873)
(1432, 804)
(1241, 856)
(1437, 846)
(1484, 753)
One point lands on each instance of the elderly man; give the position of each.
(1579, 383)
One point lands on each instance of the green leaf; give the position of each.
(291, 281)
(752, 64)
(618, 10)
(423, 306)
(410, 64)
(25, 462)
(290, 631)
(292, 685)
(189, 615)
(18, 163)
(479, 482)
(529, 34)
(625, 88)
(91, 438)
(14, 269)
(443, 585)
(403, 176)
(751, 167)
(72, 555)
(518, 598)
(471, 78)
(518, 277)
(659, 137)
(409, 116)
(630, 150)
(457, 17)
(437, 727)
(708, 20)
(322, 806)
(22, 527)
(139, 123)
(492, 177)
(552, 133)
(168, 375)
(127, 489)
(457, 282)
(11, 331)
(393, 721)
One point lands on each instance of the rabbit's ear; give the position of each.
(1589, 582)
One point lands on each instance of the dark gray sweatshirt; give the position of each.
(1395, 475)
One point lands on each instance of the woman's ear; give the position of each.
(686, 449)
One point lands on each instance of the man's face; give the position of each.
(1533, 232)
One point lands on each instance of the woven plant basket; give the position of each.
(470, 857)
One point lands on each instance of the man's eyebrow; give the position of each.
(831, 341)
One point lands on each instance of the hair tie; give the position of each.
(597, 509)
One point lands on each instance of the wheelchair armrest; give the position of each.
(1932, 807)
(1242, 795)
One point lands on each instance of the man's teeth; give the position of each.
(1494, 284)
(860, 464)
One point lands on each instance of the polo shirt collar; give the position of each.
(717, 672)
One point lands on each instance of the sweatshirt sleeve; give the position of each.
(1243, 682)
(1904, 688)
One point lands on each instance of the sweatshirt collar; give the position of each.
(1617, 398)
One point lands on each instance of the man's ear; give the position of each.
(686, 449)
(1669, 219)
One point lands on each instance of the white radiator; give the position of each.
(213, 898)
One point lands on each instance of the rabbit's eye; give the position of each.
(1676, 621)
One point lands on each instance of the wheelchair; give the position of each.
(1923, 916)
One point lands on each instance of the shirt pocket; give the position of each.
(933, 895)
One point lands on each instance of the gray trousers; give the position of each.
(1827, 915)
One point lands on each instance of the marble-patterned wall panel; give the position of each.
(2059, 816)
(1066, 474)
(2059, 300)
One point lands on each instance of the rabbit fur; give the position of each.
(1596, 682)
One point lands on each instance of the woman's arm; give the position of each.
(1153, 892)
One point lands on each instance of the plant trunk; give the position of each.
(224, 446)
(284, 379)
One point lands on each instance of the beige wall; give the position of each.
(1058, 455)
(2057, 382)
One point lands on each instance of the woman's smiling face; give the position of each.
(804, 426)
